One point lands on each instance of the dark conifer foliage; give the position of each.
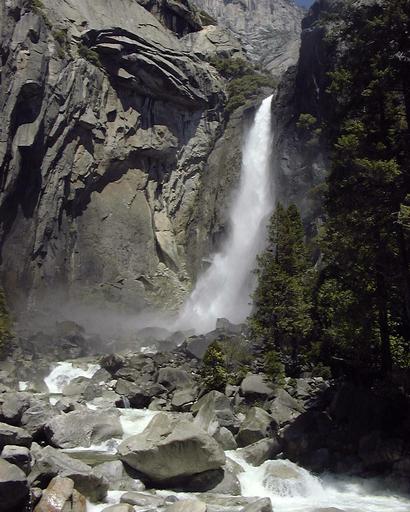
(363, 299)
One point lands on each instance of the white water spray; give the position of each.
(293, 489)
(224, 289)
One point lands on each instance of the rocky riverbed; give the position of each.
(135, 430)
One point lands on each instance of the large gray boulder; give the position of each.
(142, 499)
(262, 505)
(257, 387)
(193, 505)
(50, 463)
(14, 435)
(60, 496)
(284, 408)
(83, 428)
(14, 489)
(257, 453)
(35, 418)
(13, 406)
(174, 378)
(20, 456)
(214, 410)
(171, 449)
(118, 478)
(256, 425)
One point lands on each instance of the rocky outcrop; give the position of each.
(269, 29)
(101, 175)
(116, 181)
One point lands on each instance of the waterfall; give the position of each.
(224, 289)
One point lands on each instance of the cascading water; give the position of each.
(224, 289)
(294, 489)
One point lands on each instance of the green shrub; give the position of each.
(6, 337)
(274, 368)
(214, 372)
(244, 80)
(88, 54)
(61, 38)
(320, 370)
(37, 7)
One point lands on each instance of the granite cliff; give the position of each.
(116, 154)
(269, 29)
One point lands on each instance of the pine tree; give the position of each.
(362, 302)
(281, 317)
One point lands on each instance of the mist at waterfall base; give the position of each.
(224, 290)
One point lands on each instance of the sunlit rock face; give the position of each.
(269, 29)
(117, 161)
(100, 163)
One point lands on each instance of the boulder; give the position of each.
(284, 408)
(196, 346)
(257, 425)
(228, 327)
(35, 418)
(257, 453)
(309, 432)
(377, 452)
(19, 456)
(229, 484)
(136, 396)
(121, 507)
(187, 506)
(14, 489)
(115, 473)
(182, 399)
(214, 410)
(174, 378)
(50, 463)
(171, 449)
(83, 428)
(76, 387)
(256, 387)
(14, 435)
(141, 499)
(262, 505)
(225, 438)
(13, 406)
(60, 496)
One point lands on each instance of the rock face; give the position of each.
(269, 29)
(171, 450)
(115, 181)
(108, 158)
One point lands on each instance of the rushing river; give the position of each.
(289, 487)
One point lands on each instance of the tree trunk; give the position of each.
(381, 297)
(405, 272)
